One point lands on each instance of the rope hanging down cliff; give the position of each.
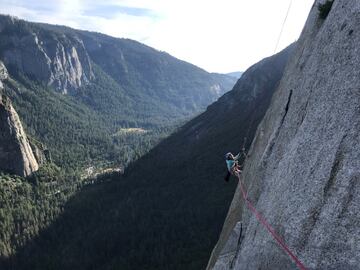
(282, 27)
(268, 227)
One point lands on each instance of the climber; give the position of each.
(232, 165)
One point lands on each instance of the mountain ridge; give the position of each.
(105, 84)
(235, 74)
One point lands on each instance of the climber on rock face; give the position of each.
(232, 163)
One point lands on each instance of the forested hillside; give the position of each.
(91, 104)
(167, 210)
(75, 90)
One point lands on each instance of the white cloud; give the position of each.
(219, 36)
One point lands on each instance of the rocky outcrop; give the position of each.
(3, 74)
(41, 153)
(303, 172)
(54, 58)
(16, 155)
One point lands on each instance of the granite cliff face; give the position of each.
(16, 154)
(303, 171)
(56, 59)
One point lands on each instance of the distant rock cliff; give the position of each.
(16, 155)
(303, 173)
(67, 59)
(60, 61)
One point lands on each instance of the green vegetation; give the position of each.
(167, 210)
(99, 126)
(325, 8)
(134, 86)
(77, 135)
(30, 205)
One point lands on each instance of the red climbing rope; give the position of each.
(270, 229)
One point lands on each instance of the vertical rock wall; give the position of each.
(303, 173)
(16, 155)
(56, 59)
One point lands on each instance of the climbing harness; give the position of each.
(268, 227)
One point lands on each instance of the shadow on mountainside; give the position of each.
(168, 209)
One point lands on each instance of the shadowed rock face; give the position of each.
(303, 173)
(162, 175)
(16, 155)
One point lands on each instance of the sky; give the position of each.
(216, 35)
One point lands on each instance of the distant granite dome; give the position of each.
(303, 172)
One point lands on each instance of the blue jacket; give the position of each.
(231, 162)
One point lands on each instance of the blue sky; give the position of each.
(217, 35)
